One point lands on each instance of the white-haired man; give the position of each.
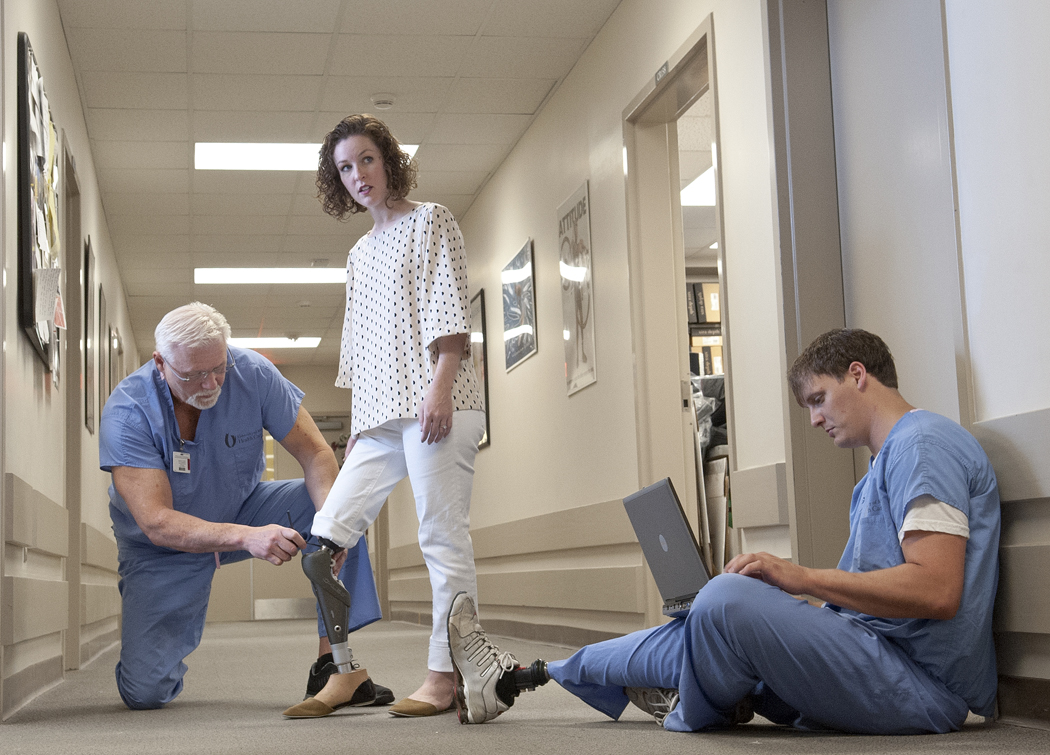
(183, 438)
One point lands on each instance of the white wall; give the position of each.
(552, 452)
(896, 209)
(31, 402)
(33, 431)
(999, 75)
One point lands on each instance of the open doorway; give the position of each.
(677, 264)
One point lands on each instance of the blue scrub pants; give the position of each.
(165, 596)
(804, 666)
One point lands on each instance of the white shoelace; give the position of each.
(485, 655)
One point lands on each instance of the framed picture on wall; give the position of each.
(38, 234)
(577, 291)
(479, 355)
(90, 333)
(102, 334)
(519, 308)
(116, 358)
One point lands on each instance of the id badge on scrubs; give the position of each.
(180, 462)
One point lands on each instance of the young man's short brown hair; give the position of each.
(833, 352)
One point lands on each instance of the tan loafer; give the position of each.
(409, 708)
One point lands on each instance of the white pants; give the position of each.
(442, 475)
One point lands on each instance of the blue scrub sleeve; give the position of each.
(125, 440)
(926, 468)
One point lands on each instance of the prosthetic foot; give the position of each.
(522, 679)
(487, 680)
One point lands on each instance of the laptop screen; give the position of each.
(667, 541)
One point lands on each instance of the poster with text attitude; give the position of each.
(577, 300)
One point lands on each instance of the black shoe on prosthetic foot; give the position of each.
(522, 679)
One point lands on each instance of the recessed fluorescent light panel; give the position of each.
(275, 343)
(267, 275)
(701, 192)
(261, 156)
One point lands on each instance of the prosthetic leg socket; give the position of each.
(334, 601)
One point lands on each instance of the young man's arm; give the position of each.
(147, 493)
(928, 585)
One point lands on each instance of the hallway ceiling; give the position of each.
(155, 76)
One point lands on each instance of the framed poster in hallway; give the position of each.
(519, 308)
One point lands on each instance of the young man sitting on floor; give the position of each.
(903, 643)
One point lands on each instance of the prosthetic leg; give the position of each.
(334, 601)
(353, 686)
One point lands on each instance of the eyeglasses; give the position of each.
(200, 377)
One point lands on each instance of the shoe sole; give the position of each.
(459, 693)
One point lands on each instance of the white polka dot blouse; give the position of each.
(405, 287)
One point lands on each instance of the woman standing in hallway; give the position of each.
(416, 408)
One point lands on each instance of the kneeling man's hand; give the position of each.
(273, 543)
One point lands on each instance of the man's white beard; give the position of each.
(204, 399)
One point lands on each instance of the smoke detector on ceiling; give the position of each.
(383, 101)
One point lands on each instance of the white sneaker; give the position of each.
(655, 701)
(477, 663)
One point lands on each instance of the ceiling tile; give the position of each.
(241, 204)
(455, 182)
(128, 244)
(479, 157)
(357, 55)
(223, 225)
(521, 96)
(317, 224)
(122, 14)
(236, 259)
(135, 91)
(137, 125)
(157, 225)
(182, 292)
(334, 248)
(133, 277)
(252, 126)
(128, 50)
(244, 243)
(236, 92)
(478, 129)
(409, 128)
(144, 181)
(132, 155)
(259, 53)
(245, 181)
(522, 58)
(454, 17)
(352, 94)
(265, 15)
(146, 204)
(549, 18)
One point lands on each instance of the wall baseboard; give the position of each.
(1024, 701)
(574, 637)
(20, 688)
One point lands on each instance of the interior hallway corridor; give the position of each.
(244, 674)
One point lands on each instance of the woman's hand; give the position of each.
(435, 415)
(435, 412)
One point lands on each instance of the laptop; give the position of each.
(668, 544)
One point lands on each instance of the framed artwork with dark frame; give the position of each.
(479, 356)
(519, 308)
(102, 334)
(38, 234)
(90, 334)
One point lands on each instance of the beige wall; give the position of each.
(33, 410)
(550, 452)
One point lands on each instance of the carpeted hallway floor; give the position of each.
(244, 675)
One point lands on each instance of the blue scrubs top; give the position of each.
(927, 454)
(138, 429)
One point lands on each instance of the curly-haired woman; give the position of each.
(416, 410)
